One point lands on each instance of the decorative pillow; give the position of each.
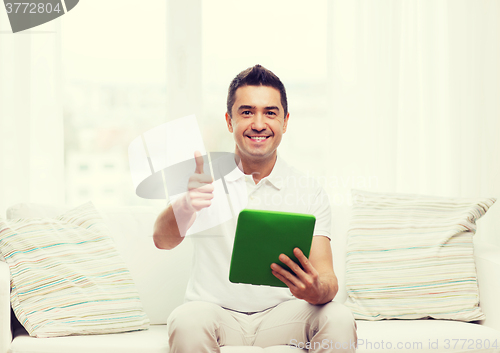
(411, 257)
(67, 277)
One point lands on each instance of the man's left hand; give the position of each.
(305, 284)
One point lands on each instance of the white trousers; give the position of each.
(202, 327)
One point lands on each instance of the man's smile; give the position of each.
(257, 138)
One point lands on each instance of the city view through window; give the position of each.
(112, 96)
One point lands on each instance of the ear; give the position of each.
(285, 124)
(229, 123)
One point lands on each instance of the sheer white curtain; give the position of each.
(415, 99)
(414, 103)
(31, 126)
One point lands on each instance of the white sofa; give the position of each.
(161, 277)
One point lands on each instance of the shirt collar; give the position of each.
(276, 178)
(235, 174)
(279, 173)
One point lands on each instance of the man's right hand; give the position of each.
(172, 224)
(200, 187)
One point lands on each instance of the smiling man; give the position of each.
(259, 122)
(219, 313)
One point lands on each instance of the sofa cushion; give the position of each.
(411, 335)
(425, 336)
(156, 273)
(67, 277)
(411, 256)
(154, 340)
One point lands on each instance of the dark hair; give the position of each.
(255, 76)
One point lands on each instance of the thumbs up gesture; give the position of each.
(200, 187)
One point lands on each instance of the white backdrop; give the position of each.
(31, 117)
(415, 98)
(413, 102)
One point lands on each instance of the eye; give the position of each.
(246, 112)
(271, 113)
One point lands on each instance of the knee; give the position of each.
(192, 315)
(337, 317)
(339, 314)
(193, 327)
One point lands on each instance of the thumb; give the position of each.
(199, 162)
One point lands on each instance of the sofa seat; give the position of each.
(153, 340)
(161, 277)
(410, 335)
(425, 336)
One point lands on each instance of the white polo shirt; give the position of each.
(286, 190)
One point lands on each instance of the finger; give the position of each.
(284, 280)
(205, 188)
(202, 178)
(199, 162)
(306, 264)
(200, 201)
(290, 277)
(198, 205)
(194, 195)
(200, 187)
(292, 265)
(195, 183)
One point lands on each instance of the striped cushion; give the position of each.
(67, 277)
(411, 257)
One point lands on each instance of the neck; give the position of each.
(260, 168)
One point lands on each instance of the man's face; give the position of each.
(258, 122)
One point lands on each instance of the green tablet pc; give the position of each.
(261, 236)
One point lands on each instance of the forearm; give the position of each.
(328, 288)
(172, 224)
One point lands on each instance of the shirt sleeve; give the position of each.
(320, 208)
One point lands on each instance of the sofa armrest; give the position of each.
(5, 331)
(487, 258)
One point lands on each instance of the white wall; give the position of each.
(387, 96)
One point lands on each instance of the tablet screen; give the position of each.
(261, 236)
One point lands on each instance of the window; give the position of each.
(289, 37)
(115, 89)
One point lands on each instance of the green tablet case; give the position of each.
(261, 236)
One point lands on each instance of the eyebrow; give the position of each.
(244, 107)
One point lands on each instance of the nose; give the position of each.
(258, 122)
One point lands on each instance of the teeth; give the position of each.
(258, 138)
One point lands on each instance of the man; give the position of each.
(218, 312)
